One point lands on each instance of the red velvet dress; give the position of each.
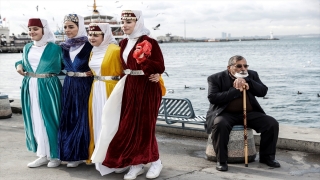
(135, 141)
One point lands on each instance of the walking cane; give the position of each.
(245, 127)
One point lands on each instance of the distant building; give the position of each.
(223, 35)
(169, 38)
(229, 35)
(271, 35)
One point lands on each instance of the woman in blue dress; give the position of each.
(74, 135)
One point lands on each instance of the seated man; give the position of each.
(226, 110)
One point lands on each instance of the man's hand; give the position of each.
(20, 70)
(240, 84)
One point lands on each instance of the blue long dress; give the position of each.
(74, 134)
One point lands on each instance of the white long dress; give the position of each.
(39, 129)
(99, 98)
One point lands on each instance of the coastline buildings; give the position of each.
(225, 35)
(169, 38)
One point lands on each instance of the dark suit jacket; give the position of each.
(221, 93)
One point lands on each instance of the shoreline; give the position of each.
(290, 137)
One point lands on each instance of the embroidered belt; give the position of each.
(31, 74)
(77, 74)
(133, 72)
(104, 78)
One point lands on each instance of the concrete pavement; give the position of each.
(183, 158)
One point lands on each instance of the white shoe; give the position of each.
(54, 163)
(121, 170)
(134, 171)
(154, 170)
(74, 163)
(38, 162)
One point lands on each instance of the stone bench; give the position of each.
(235, 146)
(5, 108)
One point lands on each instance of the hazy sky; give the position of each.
(202, 18)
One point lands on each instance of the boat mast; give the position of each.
(94, 6)
(184, 29)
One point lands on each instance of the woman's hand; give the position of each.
(20, 70)
(89, 73)
(154, 78)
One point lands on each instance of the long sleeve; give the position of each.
(256, 87)
(154, 63)
(18, 63)
(215, 93)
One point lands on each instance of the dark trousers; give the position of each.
(261, 123)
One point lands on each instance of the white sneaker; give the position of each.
(134, 171)
(38, 162)
(121, 170)
(74, 163)
(54, 163)
(154, 170)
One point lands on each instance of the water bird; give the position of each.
(170, 91)
(120, 6)
(202, 88)
(185, 86)
(318, 95)
(156, 27)
(299, 92)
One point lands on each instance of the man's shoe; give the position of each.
(222, 166)
(134, 171)
(272, 163)
(73, 164)
(54, 163)
(154, 170)
(121, 170)
(38, 162)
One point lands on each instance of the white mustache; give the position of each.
(241, 74)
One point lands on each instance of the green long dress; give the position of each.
(49, 93)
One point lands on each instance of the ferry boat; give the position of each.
(96, 17)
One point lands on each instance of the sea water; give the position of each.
(286, 66)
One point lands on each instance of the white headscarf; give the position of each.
(139, 29)
(48, 35)
(82, 30)
(108, 38)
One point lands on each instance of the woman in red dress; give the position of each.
(133, 142)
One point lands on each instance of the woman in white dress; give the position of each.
(106, 67)
(127, 137)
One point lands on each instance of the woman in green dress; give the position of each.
(40, 93)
